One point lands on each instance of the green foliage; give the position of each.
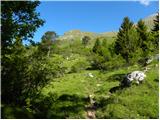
(14, 112)
(85, 40)
(143, 34)
(127, 41)
(105, 57)
(13, 73)
(48, 40)
(97, 46)
(20, 20)
(155, 32)
(145, 40)
(49, 36)
(156, 23)
(80, 64)
(114, 63)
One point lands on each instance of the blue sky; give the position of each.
(95, 16)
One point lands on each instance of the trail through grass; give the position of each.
(71, 96)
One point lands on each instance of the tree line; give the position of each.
(134, 44)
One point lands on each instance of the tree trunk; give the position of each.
(49, 51)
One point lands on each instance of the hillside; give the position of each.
(149, 21)
(77, 34)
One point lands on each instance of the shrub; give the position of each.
(80, 65)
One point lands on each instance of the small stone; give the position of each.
(90, 75)
(98, 85)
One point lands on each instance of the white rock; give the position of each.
(98, 85)
(90, 75)
(149, 60)
(137, 76)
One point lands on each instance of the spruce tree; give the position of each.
(126, 42)
(85, 40)
(155, 32)
(156, 23)
(97, 46)
(143, 37)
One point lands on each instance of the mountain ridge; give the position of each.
(72, 34)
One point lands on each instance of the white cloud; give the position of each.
(144, 2)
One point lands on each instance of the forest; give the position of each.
(77, 78)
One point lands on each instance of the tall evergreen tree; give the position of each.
(156, 23)
(97, 46)
(143, 37)
(127, 38)
(155, 32)
(85, 40)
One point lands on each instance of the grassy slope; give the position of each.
(67, 96)
(73, 89)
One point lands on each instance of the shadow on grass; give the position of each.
(53, 106)
(65, 106)
(115, 89)
(116, 77)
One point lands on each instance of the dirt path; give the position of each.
(90, 112)
(90, 108)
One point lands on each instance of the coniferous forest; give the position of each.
(81, 77)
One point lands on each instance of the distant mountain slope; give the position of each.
(77, 34)
(149, 21)
(108, 34)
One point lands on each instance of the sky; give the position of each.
(90, 16)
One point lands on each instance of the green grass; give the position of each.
(70, 95)
(135, 102)
(67, 97)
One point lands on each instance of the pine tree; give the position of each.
(97, 46)
(127, 40)
(85, 40)
(143, 37)
(155, 32)
(156, 23)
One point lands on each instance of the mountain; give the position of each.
(77, 34)
(149, 21)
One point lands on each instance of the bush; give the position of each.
(114, 63)
(80, 64)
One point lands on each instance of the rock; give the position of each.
(91, 114)
(90, 75)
